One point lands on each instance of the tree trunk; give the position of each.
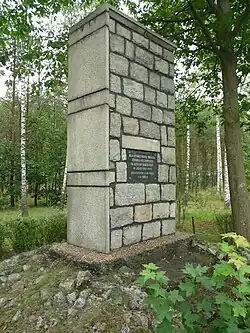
(63, 192)
(187, 160)
(24, 206)
(226, 183)
(12, 129)
(36, 194)
(233, 139)
(219, 160)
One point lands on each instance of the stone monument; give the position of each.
(121, 136)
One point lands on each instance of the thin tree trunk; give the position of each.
(226, 183)
(233, 140)
(36, 194)
(219, 159)
(187, 160)
(63, 192)
(24, 205)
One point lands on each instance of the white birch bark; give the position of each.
(63, 193)
(24, 205)
(187, 159)
(219, 158)
(227, 199)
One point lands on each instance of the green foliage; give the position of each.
(209, 299)
(224, 222)
(28, 233)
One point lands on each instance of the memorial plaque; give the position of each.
(142, 166)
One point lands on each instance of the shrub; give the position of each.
(215, 299)
(30, 233)
(224, 222)
(2, 235)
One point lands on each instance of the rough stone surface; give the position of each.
(161, 210)
(115, 124)
(171, 102)
(121, 30)
(143, 57)
(168, 192)
(138, 72)
(130, 50)
(152, 192)
(140, 40)
(121, 216)
(133, 142)
(114, 150)
(154, 79)
(130, 125)
(149, 129)
(157, 115)
(168, 227)
(162, 66)
(115, 83)
(163, 173)
(168, 155)
(151, 230)
(123, 105)
(155, 48)
(129, 194)
(168, 55)
(150, 95)
(169, 118)
(111, 197)
(172, 174)
(121, 171)
(116, 239)
(132, 234)
(162, 99)
(164, 138)
(143, 213)
(141, 110)
(167, 84)
(133, 89)
(118, 64)
(172, 210)
(117, 44)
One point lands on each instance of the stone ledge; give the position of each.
(135, 255)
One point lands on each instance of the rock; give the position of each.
(10, 304)
(44, 294)
(72, 312)
(39, 322)
(135, 297)
(125, 329)
(53, 322)
(18, 286)
(16, 316)
(67, 285)
(115, 295)
(125, 270)
(71, 298)
(79, 303)
(85, 293)
(3, 301)
(140, 319)
(59, 298)
(32, 319)
(82, 276)
(26, 268)
(14, 277)
(99, 327)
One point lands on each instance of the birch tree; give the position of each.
(226, 182)
(219, 158)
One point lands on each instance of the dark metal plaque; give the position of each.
(142, 166)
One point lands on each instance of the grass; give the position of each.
(10, 214)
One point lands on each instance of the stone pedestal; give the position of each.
(121, 138)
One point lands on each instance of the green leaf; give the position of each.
(239, 311)
(188, 287)
(151, 267)
(195, 271)
(206, 281)
(224, 269)
(161, 277)
(174, 296)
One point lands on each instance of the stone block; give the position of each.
(162, 66)
(157, 115)
(112, 101)
(129, 194)
(149, 129)
(114, 150)
(117, 44)
(121, 30)
(123, 105)
(111, 197)
(168, 155)
(171, 102)
(124, 155)
(133, 89)
(143, 213)
(155, 48)
(171, 70)
(168, 55)
(167, 84)
(140, 40)
(88, 223)
(129, 50)
(151, 230)
(168, 192)
(121, 171)
(154, 80)
(116, 239)
(169, 118)
(163, 173)
(164, 140)
(90, 178)
(162, 99)
(132, 234)
(118, 64)
(88, 101)
(168, 227)
(152, 192)
(150, 95)
(172, 175)
(92, 127)
(141, 110)
(171, 136)
(121, 216)
(115, 124)
(133, 142)
(144, 58)
(172, 209)
(161, 210)
(112, 25)
(85, 61)
(115, 83)
(130, 125)
(138, 72)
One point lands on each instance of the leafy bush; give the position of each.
(224, 222)
(215, 299)
(2, 235)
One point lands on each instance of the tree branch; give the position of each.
(213, 7)
(204, 28)
(240, 20)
